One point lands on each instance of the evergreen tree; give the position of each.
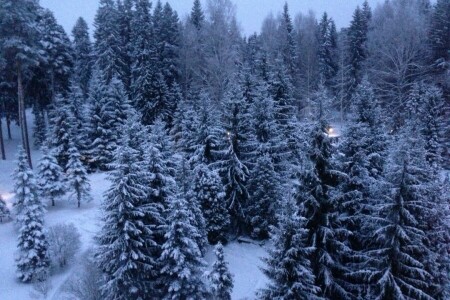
(77, 180)
(101, 133)
(181, 257)
(124, 19)
(25, 188)
(433, 129)
(40, 126)
(61, 131)
(288, 46)
(220, 277)
(316, 196)
(440, 31)
(126, 236)
(76, 106)
(21, 50)
(107, 40)
(208, 191)
(32, 261)
(4, 210)
(197, 17)
(58, 52)
(83, 59)
(204, 143)
(327, 50)
(264, 195)
(399, 253)
(234, 167)
(288, 266)
(51, 178)
(357, 52)
(363, 149)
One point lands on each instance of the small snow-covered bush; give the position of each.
(4, 211)
(86, 283)
(64, 242)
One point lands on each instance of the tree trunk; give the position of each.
(8, 126)
(2, 145)
(22, 115)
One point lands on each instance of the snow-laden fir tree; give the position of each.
(399, 252)
(61, 131)
(51, 179)
(432, 114)
(118, 99)
(328, 66)
(220, 277)
(58, 51)
(288, 267)
(100, 131)
(264, 188)
(32, 260)
(25, 188)
(234, 169)
(76, 105)
(83, 59)
(107, 40)
(182, 263)
(208, 191)
(40, 126)
(204, 142)
(318, 201)
(77, 181)
(363, 149)
(126, 238)
(4, 210)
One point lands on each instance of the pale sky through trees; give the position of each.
(250, 13)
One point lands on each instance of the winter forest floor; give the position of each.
(244, 259)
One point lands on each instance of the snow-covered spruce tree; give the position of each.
(100, 131)
(220, 277)
(184, 180)
(76, 105)
(182, 263)
(32, 261)
(126, 236)
(204, 142)
(234, 169)
(83, 59)
(399, 254)
(267, 136)
(25, 188)
(40, 128)
(288, 267)
(208, 191)
(363, 149)
(4, 210)
(316, 196)
(51, 179)
(61, 131)
(58, 52)
(281, 91)
(107, 40)
(432, 114)
(328, 66)
(77, 181)
(264, 187)
(120, 103)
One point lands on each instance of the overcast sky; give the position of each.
(250, 13)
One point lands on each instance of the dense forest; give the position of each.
(328, 143)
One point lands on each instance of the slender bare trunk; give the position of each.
(22, 115)
(8, 126)
(2, 145)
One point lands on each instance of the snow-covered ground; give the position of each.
(244, 259)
